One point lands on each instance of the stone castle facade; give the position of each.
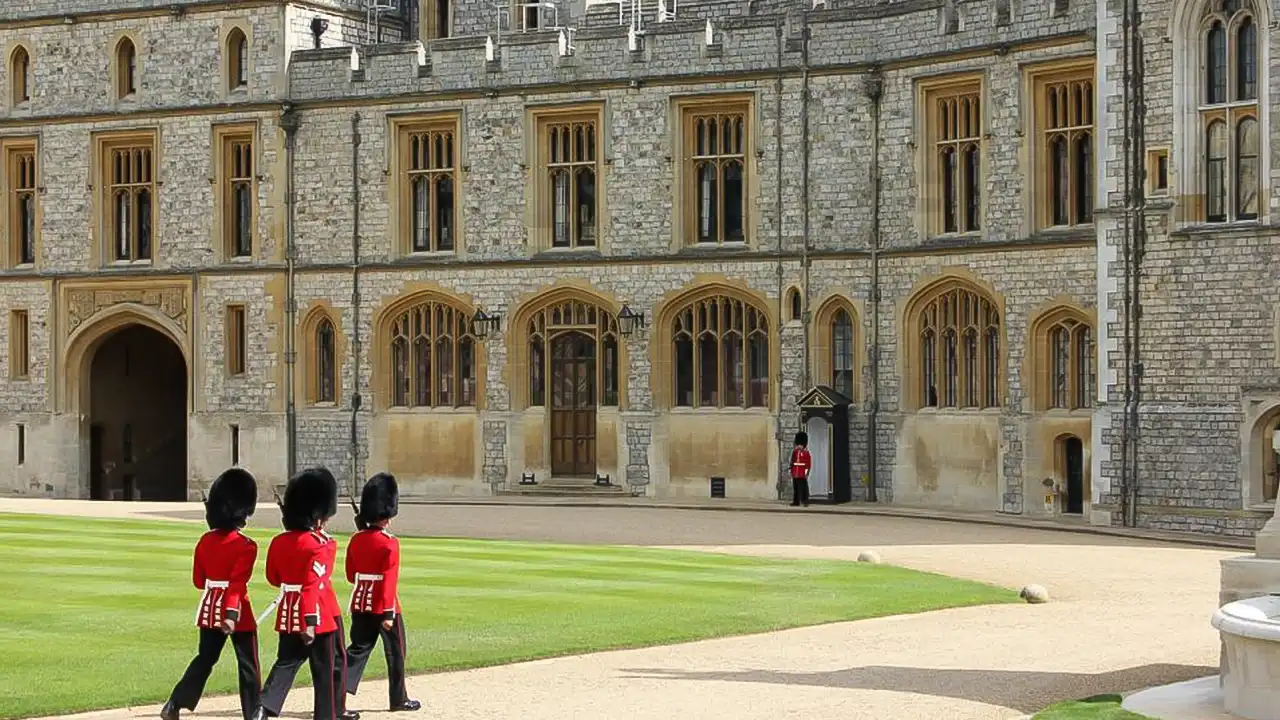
(464, 245)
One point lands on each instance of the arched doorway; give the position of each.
(137, 416)
(1071, 472)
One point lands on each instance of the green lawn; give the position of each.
(98, 613)
(1102, 707)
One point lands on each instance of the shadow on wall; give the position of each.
(1026, 692)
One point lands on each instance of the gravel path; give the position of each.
(1125, 615)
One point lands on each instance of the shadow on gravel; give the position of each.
(1025, 692)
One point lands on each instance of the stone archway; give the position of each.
(133, 406)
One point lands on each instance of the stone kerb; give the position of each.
(846, 37)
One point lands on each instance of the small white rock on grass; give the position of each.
(869, 556)
(1034, 594)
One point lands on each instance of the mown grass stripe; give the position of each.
(98, 613)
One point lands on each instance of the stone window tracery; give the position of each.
(720, 353)
(958, 348)
(432, 357)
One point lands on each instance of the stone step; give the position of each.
(564, 487)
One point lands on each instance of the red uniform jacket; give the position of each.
(222, 568)
(330, 601)
(373, 567)
(801, 462)
(300, 563)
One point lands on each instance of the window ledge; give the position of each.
(948, 239)
(684, 410)
(1068, 412)
(129, 263)
(959, 411)
(1268, 507)
(697, 248)
(324, 405)
(434, 256)
(584, 253)
(1244, 227)
(1068, 232)
(465, 410)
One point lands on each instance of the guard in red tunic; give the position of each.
(373, 567)
(222, 568)
(334, 608)
(300, 562)
(801, 464)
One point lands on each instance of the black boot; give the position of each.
(169, 711)
(349, 715)
(407, 706)
(259, 714)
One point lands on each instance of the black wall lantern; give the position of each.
(318, 28)
(629, 320)
(482, 323)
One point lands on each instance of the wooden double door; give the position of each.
(573, 405)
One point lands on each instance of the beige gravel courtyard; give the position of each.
(1125, 615)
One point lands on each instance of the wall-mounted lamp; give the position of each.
(482, 323)
(318, 28)
(629, 320)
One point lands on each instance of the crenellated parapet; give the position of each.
(25, 11)
(695, 45)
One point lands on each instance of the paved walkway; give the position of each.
(1125, 614)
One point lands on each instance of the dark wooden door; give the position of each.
(96, 475)
(573, 405)
(1075, 476)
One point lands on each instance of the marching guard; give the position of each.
(373, 567)
(222, 567)
(300, 562)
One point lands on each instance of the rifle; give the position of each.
(271, 608)
(355, 507)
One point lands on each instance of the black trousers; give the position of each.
(340, 668)
(290, 655)
(186, 694)
(365, 630)
(799, 491)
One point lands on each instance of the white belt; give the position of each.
(290, 589)
(366, 576)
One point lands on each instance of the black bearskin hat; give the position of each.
(311, 496)
(802, 438)
(380, 500)
(232, 500)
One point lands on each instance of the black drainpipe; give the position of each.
(289, 122)
(777, 214)
(804, 192)
(355, 306)
(874, 88)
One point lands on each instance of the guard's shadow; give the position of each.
(1026, 692)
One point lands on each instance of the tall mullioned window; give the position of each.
(428, 165)
(20, 186)
(1229, 112)
(1064, 128)
(954, 136)
(129, 197)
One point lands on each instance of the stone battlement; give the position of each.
(909, 30)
